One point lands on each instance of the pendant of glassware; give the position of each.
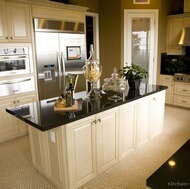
(92, 71)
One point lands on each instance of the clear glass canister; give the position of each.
(114, 86)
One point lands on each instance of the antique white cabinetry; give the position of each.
(94, 141)
(73, 154)
(11, 127)
(150, 117)
(81, 144)
(15, 22)
(168, 80)
(178, 93)
(143, 121)
(74, 13)
(186, 6)
(156, 113)
(182, 94)
(127, 128)
(174, 28)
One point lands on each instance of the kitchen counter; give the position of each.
(100, 133)
(43, 117)
(174, 173)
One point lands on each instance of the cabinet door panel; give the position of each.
(173, 36)
(127, 129)
(169, 91)
(157, 113)
(3, 26)
(19, 22)
(81, 151)
(107, 131)
(8, 124)
(143, 123)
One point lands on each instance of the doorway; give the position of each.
(92, 37)
(141, 40)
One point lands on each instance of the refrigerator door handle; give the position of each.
(63, 71)
(59, 70)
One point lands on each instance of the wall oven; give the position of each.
(15, 61)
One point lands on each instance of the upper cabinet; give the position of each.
(174, 29)
(63, 12)
(15, 22)
(186, 6)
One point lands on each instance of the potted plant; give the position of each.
(134, 74)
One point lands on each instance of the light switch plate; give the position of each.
(52, 136)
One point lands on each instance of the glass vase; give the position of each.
(92, 72)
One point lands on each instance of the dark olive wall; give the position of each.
(93, 5)
(111, 19)
(110, 36)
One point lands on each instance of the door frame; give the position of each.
(141, 13)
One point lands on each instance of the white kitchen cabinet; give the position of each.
(182, 94)
(107, 139)
(38, 145)
(127, 128)
(10, 127)
(92, 145)
(15, 22)
(150, 117)
(186, 6)
(80, 137)
(157, 107)
(167, 80)
(143, 121)
(186, 21)
(174, 28)
(23, 127)
(8, 123)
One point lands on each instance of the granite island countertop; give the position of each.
(43, 117)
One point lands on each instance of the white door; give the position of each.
(140, 40)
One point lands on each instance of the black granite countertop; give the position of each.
(42, 116)
(174, 173)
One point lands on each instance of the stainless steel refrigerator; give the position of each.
(59, 52)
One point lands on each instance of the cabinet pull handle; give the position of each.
(7, 38)
(95, 121)
(184, 101)
(11, 37)
(99, 120)
(154, 98)
(14, 102)
(18, 101)
(185, 90)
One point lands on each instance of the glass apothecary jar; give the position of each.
(92, 72)
(114, 86)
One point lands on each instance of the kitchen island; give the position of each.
(71, 148)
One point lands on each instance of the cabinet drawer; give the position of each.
(167, 78)
(182, 89)
(181, 101)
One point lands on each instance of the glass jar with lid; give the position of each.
(114, 86)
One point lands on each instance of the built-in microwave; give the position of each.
(15, 61)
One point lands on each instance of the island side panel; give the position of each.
(49, 155)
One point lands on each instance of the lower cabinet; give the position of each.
(92, 146)
(10, 126)
(72, 154)
(127, 128)
(143, 121)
